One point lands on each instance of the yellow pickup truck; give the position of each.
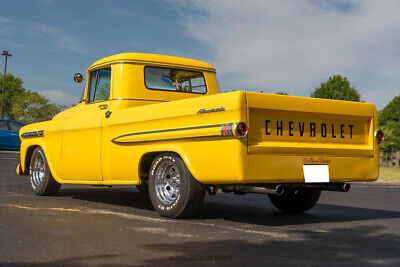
(162, 124)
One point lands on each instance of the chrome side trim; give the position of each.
(33, 134)
(138, 99)
(167, 139)
(227, 129)
(149, 63)
(114, 140)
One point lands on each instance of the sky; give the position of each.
(255, 45)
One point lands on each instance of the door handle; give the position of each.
(107, 114)
(14, 134)
(103, 106)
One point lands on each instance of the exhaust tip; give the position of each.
(346, 187)
(279, 189)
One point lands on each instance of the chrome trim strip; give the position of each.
(227, 129)
(169, 130)
(138, 99)
(157, 64)
(33, 134)
(167, 139)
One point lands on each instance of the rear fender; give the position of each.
(165, 149)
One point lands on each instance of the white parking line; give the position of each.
(271, 234)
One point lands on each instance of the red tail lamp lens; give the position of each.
(379, 135)
(241, 129)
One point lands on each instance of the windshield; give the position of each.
(82, 98)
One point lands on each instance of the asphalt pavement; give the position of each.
(86, 225)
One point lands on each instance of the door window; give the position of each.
(3, 125)
(15, 126)
(99, 87)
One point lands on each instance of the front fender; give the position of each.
(23, 167)
(50, 142)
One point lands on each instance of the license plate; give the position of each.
(316, 173)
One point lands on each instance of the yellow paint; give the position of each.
(79, 148)
(18, 170)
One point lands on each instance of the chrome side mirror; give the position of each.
(78, 78)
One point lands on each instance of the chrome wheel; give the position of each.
(167, 181)
(38, 170)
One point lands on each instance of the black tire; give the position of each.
(190, 195)
(296, 200)
(143, 188)
(40, 177)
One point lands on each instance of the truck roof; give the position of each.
(142, 58)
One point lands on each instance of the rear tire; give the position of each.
(174, 192)
(296, 200)
(42, 181)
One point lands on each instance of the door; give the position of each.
(14, 129)
(81, 134)
(5, 135)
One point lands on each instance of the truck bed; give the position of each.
(285, 133)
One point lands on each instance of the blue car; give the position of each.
(9, 138)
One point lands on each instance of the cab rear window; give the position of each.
(175, 80)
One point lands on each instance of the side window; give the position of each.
(99, 86)
(15, 126)
(176, 80)
(3, 125)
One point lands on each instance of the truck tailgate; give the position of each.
(288, 125)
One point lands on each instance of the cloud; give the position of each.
(60, 38)
(4, 21)
(7, 27)
(296, 45)
(59, 97)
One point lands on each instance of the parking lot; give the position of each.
(85, 225)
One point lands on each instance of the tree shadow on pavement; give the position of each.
(338, 247)
(250, 209)
(269, 216)
(360, 246)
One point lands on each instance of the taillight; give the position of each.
(241, 129)
(379, 136)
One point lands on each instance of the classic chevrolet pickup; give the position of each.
(161, 123)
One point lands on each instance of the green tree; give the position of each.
(282, 93)
(337, 87)
(33, 107)
(389, 122)
(103, 92)
(392, 137)
(391, 112)
(14, 91)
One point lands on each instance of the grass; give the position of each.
(386, 173)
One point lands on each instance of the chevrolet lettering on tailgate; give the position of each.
(160, 123)
(311, 129)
